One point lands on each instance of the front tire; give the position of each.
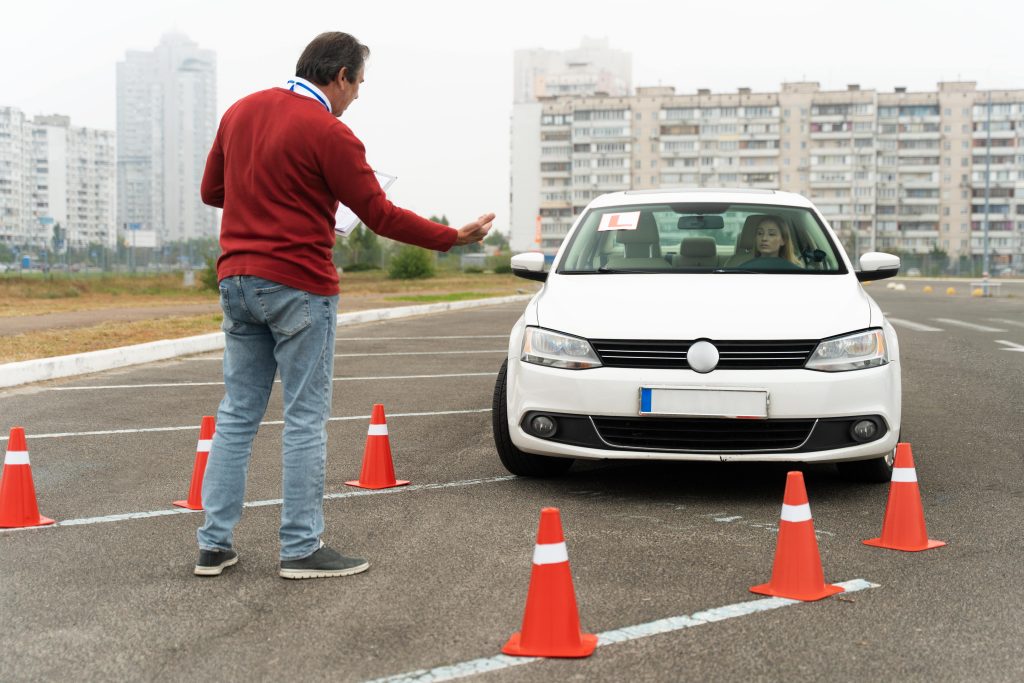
(873, 471)
(516, 461)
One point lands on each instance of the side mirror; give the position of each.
(876, 265)
(530, 266)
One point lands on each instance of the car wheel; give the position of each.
(875, 470)
(516, 461)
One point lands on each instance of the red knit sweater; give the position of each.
(278, 167)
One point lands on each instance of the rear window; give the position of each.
(701, 238)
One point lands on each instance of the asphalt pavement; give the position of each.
(109, 593)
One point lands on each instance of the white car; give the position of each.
(701, 325)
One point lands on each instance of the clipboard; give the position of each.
(345, 220)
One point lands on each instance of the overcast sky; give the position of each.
(435, 107)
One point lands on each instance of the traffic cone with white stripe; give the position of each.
(797, 573)
(551, 623)
(195, 491)
(378, 470)
(18, 507)
(903, 527)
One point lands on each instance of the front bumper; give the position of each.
(808, 417)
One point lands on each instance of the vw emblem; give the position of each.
(702, 356)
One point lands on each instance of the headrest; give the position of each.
(699, 247)
(646, 231)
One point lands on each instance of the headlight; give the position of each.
(852, 352)
(555, 350)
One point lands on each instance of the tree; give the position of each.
(411, 263)
(496, 239)
(6, 254)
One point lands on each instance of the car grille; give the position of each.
(733, 355)
(703, 434)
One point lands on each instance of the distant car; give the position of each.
(660, 333)
(913, 272)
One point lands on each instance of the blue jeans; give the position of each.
(270, 327)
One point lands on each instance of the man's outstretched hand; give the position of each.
(475, 231)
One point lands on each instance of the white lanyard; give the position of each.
(304, 87)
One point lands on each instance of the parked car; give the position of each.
(666, 331)
(913, 272)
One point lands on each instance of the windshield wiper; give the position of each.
(737, 270)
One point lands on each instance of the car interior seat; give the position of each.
(697, 252)
(642, 246)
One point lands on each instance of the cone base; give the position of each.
(588, 641)
(877, 542)
(188, 506)
(43, 521)
(361, 485)
(810, 596)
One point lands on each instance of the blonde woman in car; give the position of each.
(773, 238)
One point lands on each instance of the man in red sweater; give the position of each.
(279, 165)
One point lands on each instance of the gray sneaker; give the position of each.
(213, 562)
(324, 563)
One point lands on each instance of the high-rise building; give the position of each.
(899, 171)
(54, 173)
(166, 122)
(589, 70)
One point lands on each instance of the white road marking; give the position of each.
(388, 353)
(416, 353)
(143, 430)
(969, 326)
(276, 381)
(1013, 347)
(728, 519)
(914, 326)
(1004, 321)
(621, 635)
(451, 336)
(107, 519)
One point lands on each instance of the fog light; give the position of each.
(864, 430)
(543, 426)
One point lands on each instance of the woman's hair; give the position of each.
(325, 56)
(787, 252)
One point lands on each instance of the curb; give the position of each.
(41, 369)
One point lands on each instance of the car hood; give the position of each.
(730, 306)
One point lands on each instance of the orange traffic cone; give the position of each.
(903, 527)
(378, 471)
(18, 507)
(797, 572)
(195, 490)
(551, 623)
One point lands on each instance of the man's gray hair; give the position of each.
(325, 56)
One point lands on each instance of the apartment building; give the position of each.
(897, 170)
(592, 68)
(166, 122)
(52, 172)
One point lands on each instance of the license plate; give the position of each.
(751, 404)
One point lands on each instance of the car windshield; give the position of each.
(701, 238)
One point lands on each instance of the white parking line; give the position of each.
(389, 353)
(416, 353)
(621, 635)
(143, 430)
(450, 336)
(969, 326)
(1013, 347)
(107, 519)
(913, 326)
(276, 381)
(1004, 321)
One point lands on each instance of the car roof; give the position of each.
(702, 194)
